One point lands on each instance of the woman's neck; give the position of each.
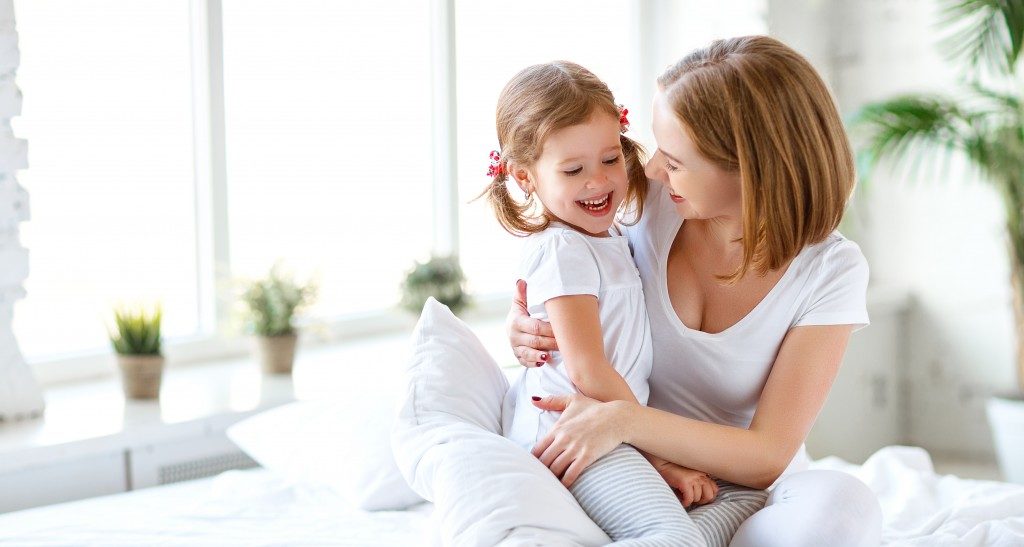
(723, 235)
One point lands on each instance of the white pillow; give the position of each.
(344, 445)
(485, 489)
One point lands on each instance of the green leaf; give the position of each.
(983, 34)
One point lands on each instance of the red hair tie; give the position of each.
(496, 167)
(623, 120)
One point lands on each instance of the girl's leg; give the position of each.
(816, 507)
(630, 501)
(720, 519)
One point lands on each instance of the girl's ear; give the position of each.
(522, 178)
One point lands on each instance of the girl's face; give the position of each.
(580, 176)
(699, 188)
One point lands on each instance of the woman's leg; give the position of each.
(733, 505)
(629, 500)
(816, 507)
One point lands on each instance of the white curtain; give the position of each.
(20, 396)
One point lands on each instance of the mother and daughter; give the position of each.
(678, 358)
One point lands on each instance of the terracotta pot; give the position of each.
(277, 353)
(141, 375)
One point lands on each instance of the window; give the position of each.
(328, 143)
(328, 121)
(108, 117)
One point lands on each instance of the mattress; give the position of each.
(256, 507)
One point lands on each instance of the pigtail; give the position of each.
(513, 216)
(636, 189)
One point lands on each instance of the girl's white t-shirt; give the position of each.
(561, 261)
(719, 377)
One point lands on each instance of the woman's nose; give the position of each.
(655, 170)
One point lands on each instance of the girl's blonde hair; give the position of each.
(755, 106)
(536, 102)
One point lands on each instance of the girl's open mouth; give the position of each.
(598, 206)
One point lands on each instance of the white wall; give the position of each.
(19, 395)
(941, 240)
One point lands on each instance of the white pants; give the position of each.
(815, 507)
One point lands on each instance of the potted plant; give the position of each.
(271, 305)
(137, 343)
(983, 121)
(440, 277)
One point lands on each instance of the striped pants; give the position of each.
(628, 499)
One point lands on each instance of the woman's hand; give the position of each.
(531, 338)
(587, 430)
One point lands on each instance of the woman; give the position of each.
(752, 295)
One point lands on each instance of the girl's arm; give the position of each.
(795, 392)
(577, 326)
(576, 323)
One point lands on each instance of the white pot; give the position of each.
(1006, 417)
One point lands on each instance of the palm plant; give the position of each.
(983, 120)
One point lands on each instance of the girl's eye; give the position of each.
(574, 172)
(612, 161)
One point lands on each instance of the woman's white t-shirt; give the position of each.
(561, 261)
(718, 377)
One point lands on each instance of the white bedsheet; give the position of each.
(238, 508)
(255, 507)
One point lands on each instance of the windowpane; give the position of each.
(108, 118)
(328, 143)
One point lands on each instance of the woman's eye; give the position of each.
(574, 172)
(670, 167)
(612, 161)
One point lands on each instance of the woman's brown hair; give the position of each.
(537, 101)
(755, 106)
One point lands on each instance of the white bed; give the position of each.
(257, 507)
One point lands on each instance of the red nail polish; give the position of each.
(535, 398)
(539, 364)
(543, 357)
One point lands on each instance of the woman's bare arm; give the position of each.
(794, 394)
(530, 338)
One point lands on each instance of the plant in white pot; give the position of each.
(271, 304)
(137, 343)
(983, 121)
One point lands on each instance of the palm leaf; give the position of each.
(984, 33)
(907, 129)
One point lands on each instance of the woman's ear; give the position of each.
(522, 177)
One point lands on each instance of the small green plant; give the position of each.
(440, 277)
(273, 301)
(137, 331)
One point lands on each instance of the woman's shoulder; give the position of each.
(834, 254)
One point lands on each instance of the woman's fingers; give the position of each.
(575, 469)
(561, 463)
(534, 333)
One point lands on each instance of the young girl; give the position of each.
(561, 141)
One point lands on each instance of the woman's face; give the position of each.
(699, 188)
